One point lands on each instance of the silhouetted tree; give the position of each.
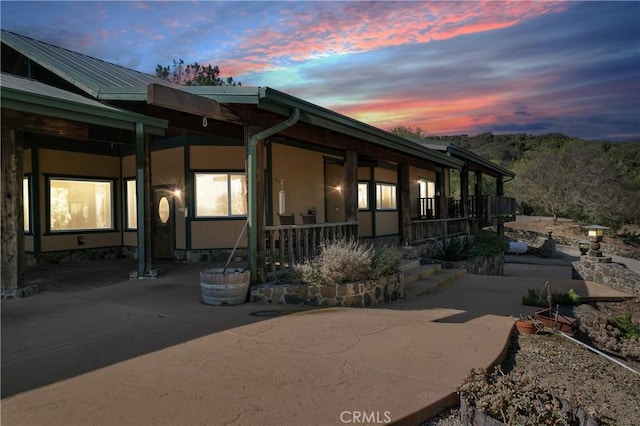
(193, 74)
(409, 132)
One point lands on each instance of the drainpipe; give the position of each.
(253, 190)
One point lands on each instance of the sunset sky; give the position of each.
(446, 67)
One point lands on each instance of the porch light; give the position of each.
(281, 198)
(595, 233)
(338, 188)
(177, 192)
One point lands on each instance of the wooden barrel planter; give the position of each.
(222, 286)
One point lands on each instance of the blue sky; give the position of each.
(446, 67)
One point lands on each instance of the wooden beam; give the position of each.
(12, 247)
(404, 181)
(351, 186)
(178, 100)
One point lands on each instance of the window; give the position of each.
(80, 204)
(385, 196)
(26, 205)
(132, 206)
(363, 196)
(220, 194)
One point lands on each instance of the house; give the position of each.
(107, 161)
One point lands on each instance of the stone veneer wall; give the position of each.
(359, 294)
(479, 265)
(602, 271)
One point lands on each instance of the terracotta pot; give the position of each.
(526, 327)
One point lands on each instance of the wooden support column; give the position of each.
(464, 191)
(441, 195)
(258, 204)
(351, 186)
(500, 193)
(143, 202)
(12, 248)
(405, 203)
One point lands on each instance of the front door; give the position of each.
(163, 223)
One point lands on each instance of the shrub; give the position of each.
(515, 399)
(488, 244)
(343, 261)
(452, 249)
(534, 297)
(386, 261)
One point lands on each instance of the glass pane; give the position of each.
(25, 203)
(386, 196)
(163, 210)
(363, 196)
(79, 204)
(132, 206)
(238, 195)
(211, 195)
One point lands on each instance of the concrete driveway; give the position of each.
(148, 352)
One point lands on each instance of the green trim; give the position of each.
(86, 112)
(37, 218)
(268, 202)
(188, 195)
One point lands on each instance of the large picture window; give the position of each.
(132, 206)
(220, 194)
(385, 196)
(76, 204)
(363, 196)
(26, 205)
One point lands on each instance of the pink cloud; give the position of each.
(349, 27)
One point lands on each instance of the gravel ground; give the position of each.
(606, 390)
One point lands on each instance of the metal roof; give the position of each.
(22, 94)
(281, 103)
(466, 155)
(87, 73)
(106, 81)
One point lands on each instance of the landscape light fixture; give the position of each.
(595, 233)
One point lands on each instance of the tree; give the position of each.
(577, 181)
(193, 74)
(409, 132)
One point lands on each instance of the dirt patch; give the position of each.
(606, 390)
(563, 227)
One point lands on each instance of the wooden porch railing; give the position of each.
(424, 229)
(490, 207)
(284, 246)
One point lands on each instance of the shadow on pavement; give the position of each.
(88, 316)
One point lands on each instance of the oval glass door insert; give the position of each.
(163, 210)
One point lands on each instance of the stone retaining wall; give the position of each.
(360, 294)
(602, 271)
(479, 265)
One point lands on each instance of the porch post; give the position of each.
(477, 191)
(351, 185)
(441, 194)
(500, 193)
(405, 203)
(464, 191)
(12, 248)
(143, 201)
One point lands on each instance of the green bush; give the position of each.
(453, 249)
(386, 261)
(535, 297)
(627, 325)
(488, 244)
